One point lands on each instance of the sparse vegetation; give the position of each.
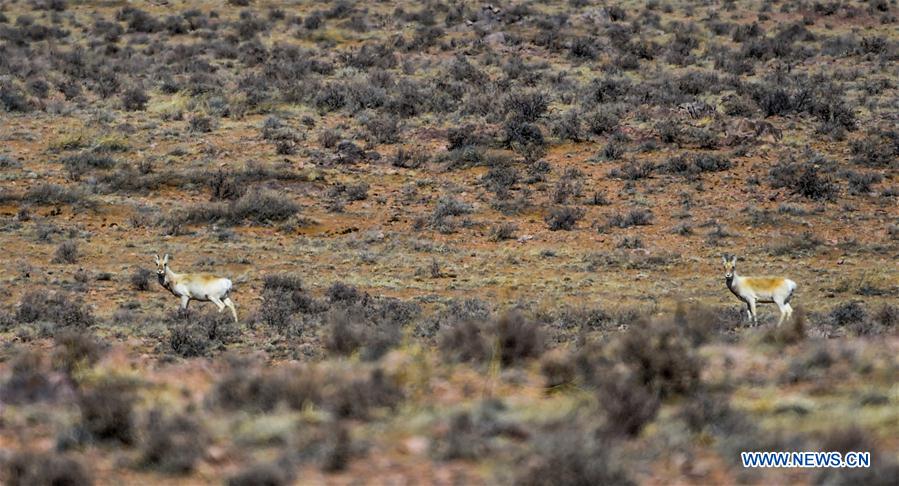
(471, 242)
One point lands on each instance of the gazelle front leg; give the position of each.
(755, 318)
(184, 301)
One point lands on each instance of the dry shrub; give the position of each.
(628, 402)
(45, 469)
(337, 449)
(192, 334)
(355, 398)
(661, 357)
(884, 468)
(141, 279)
(29, 381)
(571, 454)
(513, 337)
(558, 369)
(518, 338)
(267, 474)
(107, 410)
(76, 350)
(701, 324)
(56, 311)
(283, 296)
(371, 326)
(706, 411)
(473, 434)
(249, 386)
(173, 444)
(66, 252)
(563, 218)
(464, 341)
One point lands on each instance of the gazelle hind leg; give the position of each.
(784, 310)
(230, 305)
(218, 303)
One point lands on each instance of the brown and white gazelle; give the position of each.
(752, 290)
(197, 286)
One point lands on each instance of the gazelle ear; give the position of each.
(734, 259)
(156, 259)
(723, 258)
(165, 259)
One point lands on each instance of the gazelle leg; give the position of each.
(184, 301)
(783, 310)
(789, 310)
(218, 303)
(755, 317)
(230, 305)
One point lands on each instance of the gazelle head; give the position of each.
(730, 266)
(161, 265)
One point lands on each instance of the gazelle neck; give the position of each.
(732, 280)
(170, 276)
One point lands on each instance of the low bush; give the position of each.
(28, 380)
(502, 232)
(173, 445)
(563, 218)
(58, 310)
(518, 338)
(661, 357)
(355, 398)
(107, 410)
(247, 386)
(570, 455)
(135, 99)
(465, 341)
(443, 218)
(512, 338)
(52, 194)
(79, 164)
(628, 403)
(367, 325)
(75, 350)
(804, 179)
(192, 334)
(255, 206)
(860, 182)
(268, 474)
(66, 252)
(877, 149)
(141, 279)
(848, 314)
(635, 217)
(283, 296)
(694, 164)
(44, 468)
(633, 171)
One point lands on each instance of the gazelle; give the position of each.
(196, 286)
(745, 129)
(752, 290)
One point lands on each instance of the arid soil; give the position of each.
(470, 243)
